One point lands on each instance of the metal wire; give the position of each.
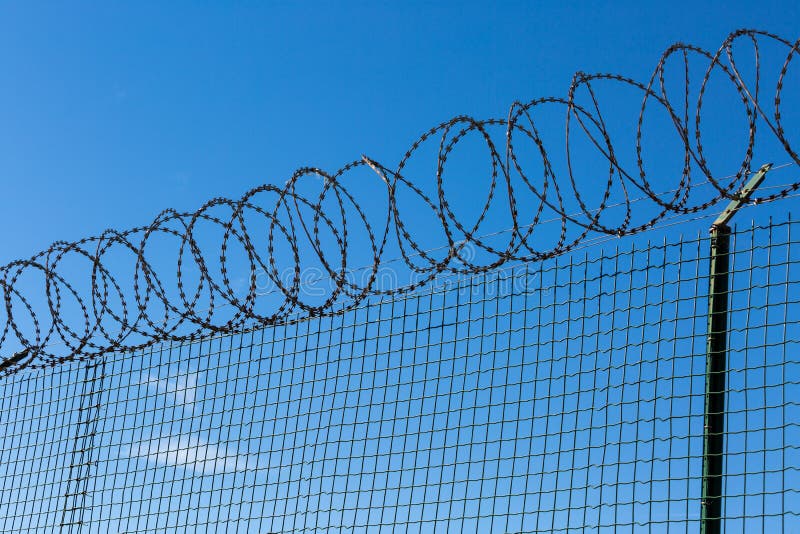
(562, 395)
(119, 297)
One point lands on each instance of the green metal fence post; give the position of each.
(716, 365)
(716, 360)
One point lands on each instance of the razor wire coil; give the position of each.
(114, 318)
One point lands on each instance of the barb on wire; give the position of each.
(125, 304)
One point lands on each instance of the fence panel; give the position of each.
(555, 396)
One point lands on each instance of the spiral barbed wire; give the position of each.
(112, 304)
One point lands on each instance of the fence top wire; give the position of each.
(121, 290)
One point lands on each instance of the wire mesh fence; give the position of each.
(564, 395)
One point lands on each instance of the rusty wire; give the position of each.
(124, 316)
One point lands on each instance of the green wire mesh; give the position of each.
(557, 396)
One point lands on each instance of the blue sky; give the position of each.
(110, 112)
